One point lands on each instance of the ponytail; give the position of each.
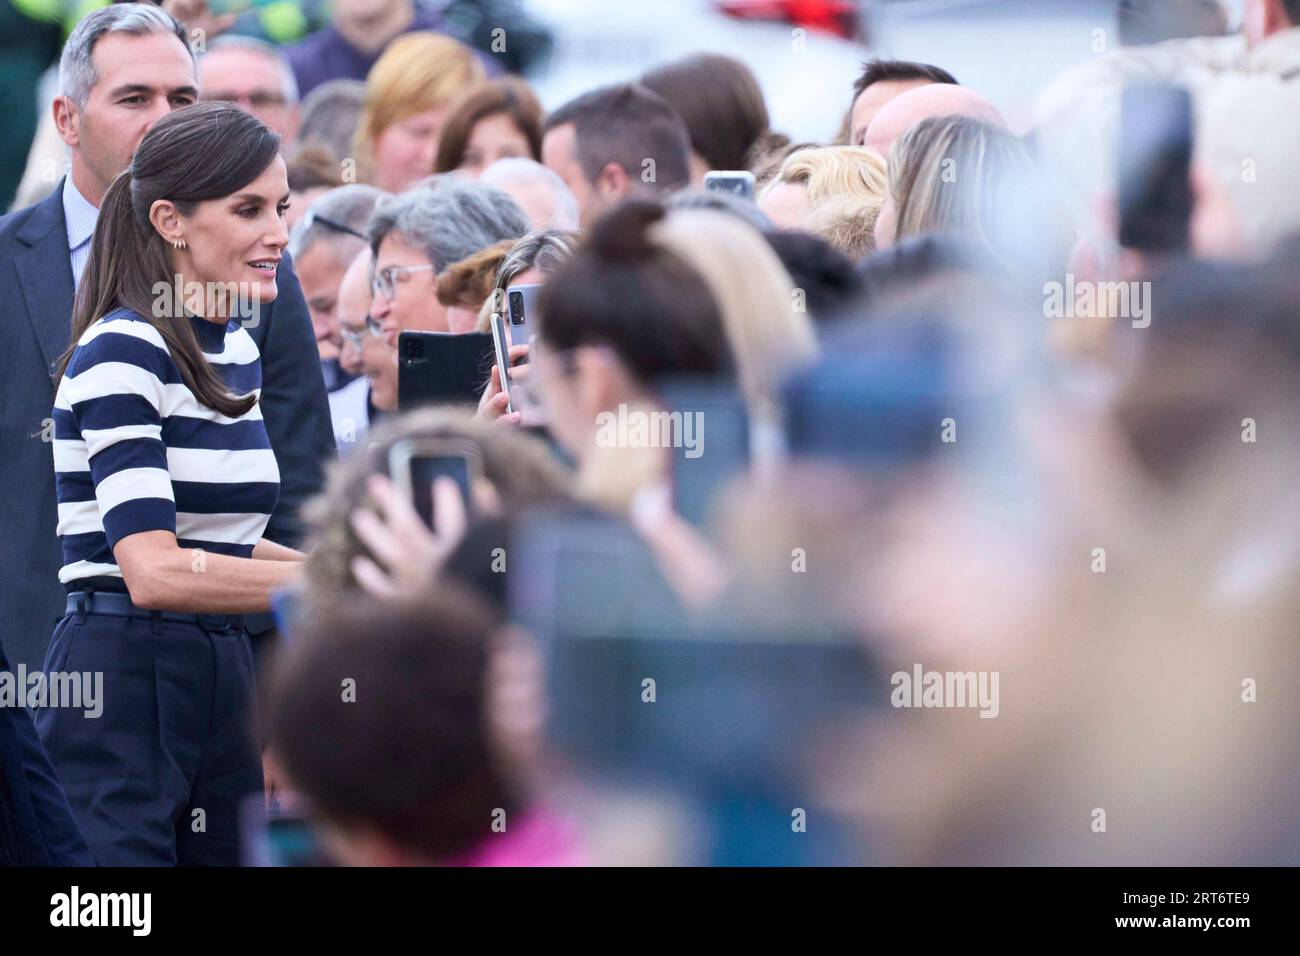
(128, 259)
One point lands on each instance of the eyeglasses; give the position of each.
(358, 339)
(312, 218)
(386, 280)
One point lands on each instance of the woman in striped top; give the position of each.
(165, 480)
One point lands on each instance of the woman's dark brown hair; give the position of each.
(509, 95)
(720, 102)
(203, 152)
(623, 291)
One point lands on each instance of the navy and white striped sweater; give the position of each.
(135, 451)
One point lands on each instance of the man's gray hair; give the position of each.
(330, 114)
(234, 41)
(532, 174)
(448, 222)
(349, 206)
(77, 75)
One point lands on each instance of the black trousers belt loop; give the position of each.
(91, 601)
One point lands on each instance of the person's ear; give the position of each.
(597, 380)
(166, 219)
(613, 182)
(67, 119)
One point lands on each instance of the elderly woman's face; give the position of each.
(406, 298)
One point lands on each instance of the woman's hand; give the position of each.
(688, 562)
(492, 405)
(406, 556)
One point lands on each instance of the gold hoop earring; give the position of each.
(178, 243)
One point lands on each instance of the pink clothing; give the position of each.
(536, 838)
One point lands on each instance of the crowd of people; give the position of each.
(795, 427)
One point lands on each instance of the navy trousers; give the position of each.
(158, 778)
(36, 826)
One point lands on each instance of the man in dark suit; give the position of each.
(123, 68)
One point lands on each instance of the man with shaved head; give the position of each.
(935, 99)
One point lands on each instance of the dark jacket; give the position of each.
(36, 292)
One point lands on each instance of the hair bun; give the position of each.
(621, 234)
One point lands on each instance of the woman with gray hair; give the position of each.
(418, 234)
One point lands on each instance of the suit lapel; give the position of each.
(45, 275)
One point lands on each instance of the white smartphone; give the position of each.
(738, 182)
(502, 346)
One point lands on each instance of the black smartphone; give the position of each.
(439, 367)
(415, 463)
(1155, 155)
(738, 182)
(639, 686)
(521, 307)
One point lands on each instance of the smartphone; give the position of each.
(415, 463)
(738, 182)
(739, 700)
(1155, 154)
(711, 446)
(521, 303)
(439, 367)
(501, 344)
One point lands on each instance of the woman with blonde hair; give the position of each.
(409, 95)
(835, 192)
(954, 175)
(766, 324)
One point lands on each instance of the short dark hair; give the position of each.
(409, 752)
(627, 124)
(643, 302)
(874, 71)
(719, 100)
(827, 276)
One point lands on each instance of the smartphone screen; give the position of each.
(714, 448)
(1155, 152)
(425, 469)
(414, 464)
(738, 182)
